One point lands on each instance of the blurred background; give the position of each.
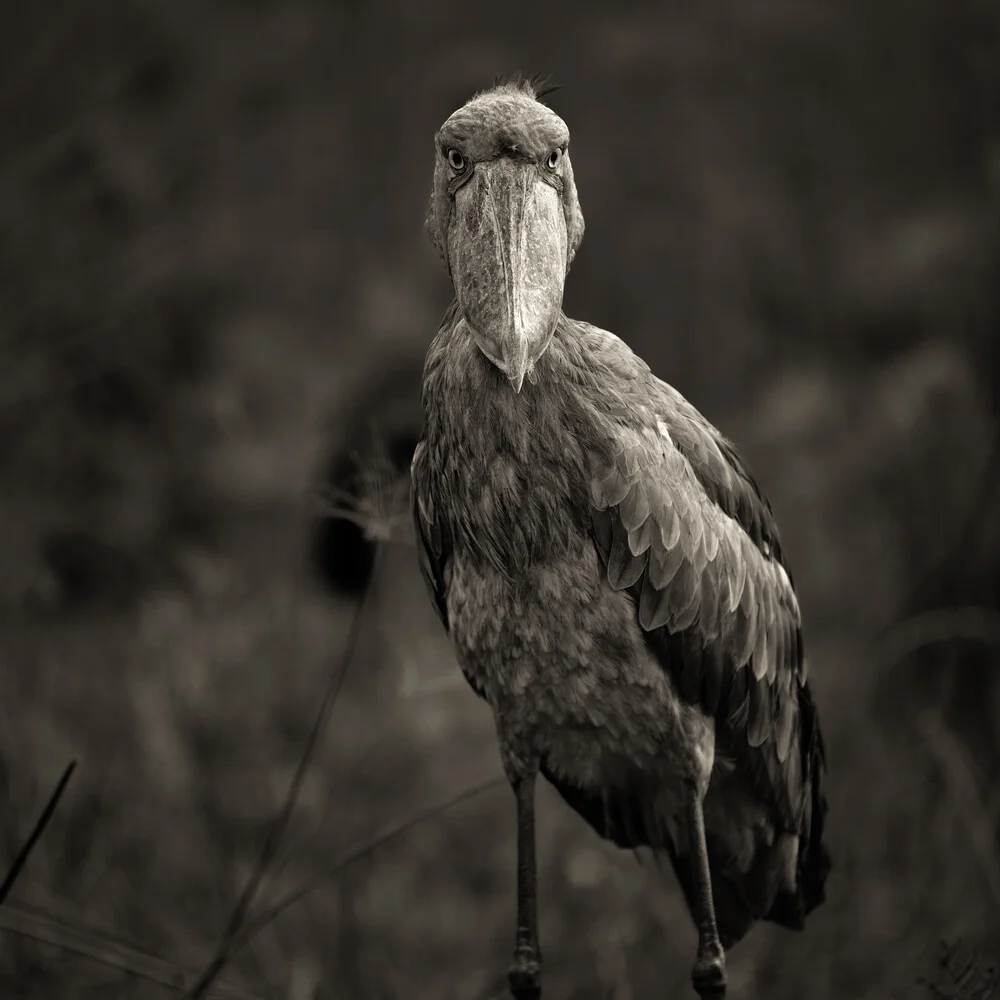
(215, 296)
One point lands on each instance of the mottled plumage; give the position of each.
(613, 583)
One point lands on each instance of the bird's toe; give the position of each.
(525, 977)
(709, 974)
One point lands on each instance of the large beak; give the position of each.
(507, 249)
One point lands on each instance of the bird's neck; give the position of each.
(513, 463)
(477, 403)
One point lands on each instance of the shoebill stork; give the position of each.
(608, 570)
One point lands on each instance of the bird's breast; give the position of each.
(565, 667)
(557, 652)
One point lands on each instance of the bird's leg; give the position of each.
(526, 972)
(709, 973)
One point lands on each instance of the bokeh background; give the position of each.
(215, 294)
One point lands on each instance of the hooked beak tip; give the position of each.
(517, 363)
(516, 380)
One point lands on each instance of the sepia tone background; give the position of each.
(214, 286)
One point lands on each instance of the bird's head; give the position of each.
(505, 217)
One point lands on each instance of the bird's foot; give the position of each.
(709, 973)
(525, 974)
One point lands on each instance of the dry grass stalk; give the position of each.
(105, 949)
(276, 832)
(43, 821)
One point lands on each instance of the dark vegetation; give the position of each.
(211, 254)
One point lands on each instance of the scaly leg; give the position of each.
(526, 972)
(709, 973)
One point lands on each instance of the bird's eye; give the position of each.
(456, 160)
(553, 161)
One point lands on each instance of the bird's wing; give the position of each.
(433, 548)
(433, 543)
(682, 526)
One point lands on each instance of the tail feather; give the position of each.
(814, 858)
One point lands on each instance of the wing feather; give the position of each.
(713, 676)
(664, 564)
(709, 603)
(685, 530)
(738, 568)
(687, 657)
(432, 552)
(778, 656)
(746, 622)
(433, 543)
(624, 568)
(670, 523)
(783, 728)
(641, 537)
(687, 591)
(634, 509)
(738, 701)
(654, 605)
(760, 718)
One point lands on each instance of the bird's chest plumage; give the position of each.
(556, 651)
(562, 662)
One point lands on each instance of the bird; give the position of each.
(608, 570)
